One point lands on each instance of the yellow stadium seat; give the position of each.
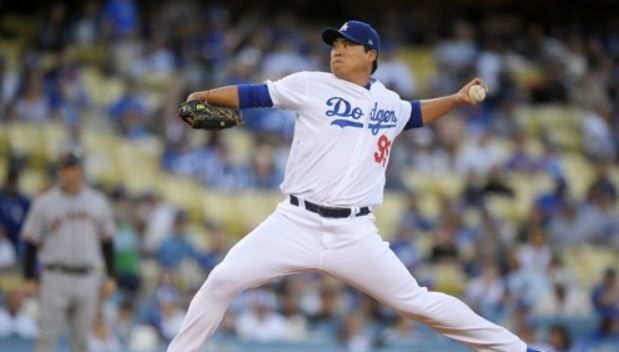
(501, 207)
(94, 54)
(153, 99)
(241, 144)
(223, 209)
(33, 181)
(112, 89)
(11, 50)
(92, 78)
(54, 135)
(579, 174)
(421, 60)
(552, 116)
(423, 242)
(526, 118)
(568, 139)
(449, 185)
(185, 193)
(527, 188)
(526, 75)
(139, 179)
(156, 81)
(535, 147)
(23, 26)
(588, 263)
(138, 163)
(27, 139)
(417, 181)
(430, 205)
(4, 139)
(504, 147)
(4, 165)
(49, 60)
(255, 206)
(101, 163)
(449, 278)
(388, 213)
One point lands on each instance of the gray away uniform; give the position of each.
(68, 231)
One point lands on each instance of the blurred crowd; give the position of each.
(512, 273)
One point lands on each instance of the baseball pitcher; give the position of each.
(346, 125)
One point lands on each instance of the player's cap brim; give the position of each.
(329, 35)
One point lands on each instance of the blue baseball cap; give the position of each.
(354, 31)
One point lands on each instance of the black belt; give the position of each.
(329, 212)
(67, 269)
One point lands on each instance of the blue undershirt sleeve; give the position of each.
(254, 96)
(415, 120)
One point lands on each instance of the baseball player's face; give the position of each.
(350, 58)
(70, 177)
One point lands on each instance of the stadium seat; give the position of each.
(579, 174)
(22, 26)
(185, 193)
(387, 214)
(54, 135)
(4, 141)
(92, 55)
(11, 50)
(589, 262)
(449, 278)
(423, 243)
(92, 79)
(241, 144)
(430, 205)
(503, 208)
(567, 139)
(153, 99)
(421, 60)
(26, 139)
(32, 181)
(527, 188)
(255, 206)
(101, 163)
(448, 185)
(417, 181)
(4, 163)
(138, 164)
(112, 89)
(223, 209)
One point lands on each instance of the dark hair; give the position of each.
(375, 63)
(564, 333)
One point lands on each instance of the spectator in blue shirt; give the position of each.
(13, 207)
(128, 101)
(121, 18)
(605, 296)
(177, 247)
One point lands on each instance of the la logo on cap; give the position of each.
(370, 42)
(344, 27)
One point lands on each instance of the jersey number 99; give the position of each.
(384, 144)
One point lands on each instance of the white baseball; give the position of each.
(477, 93)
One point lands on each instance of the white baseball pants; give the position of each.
(293, 239)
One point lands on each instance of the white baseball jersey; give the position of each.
(342, 138)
